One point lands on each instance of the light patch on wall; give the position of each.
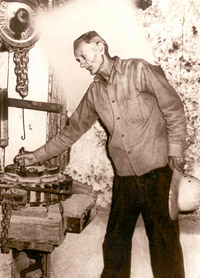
(115, 20)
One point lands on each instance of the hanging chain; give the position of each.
(21, 60)
(61, 213)
(6, 205)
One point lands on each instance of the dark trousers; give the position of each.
(148, 195)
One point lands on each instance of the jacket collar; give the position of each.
(116, 65)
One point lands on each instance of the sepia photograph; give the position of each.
(99, 139)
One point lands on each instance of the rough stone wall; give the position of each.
(172, 27)
(89, 163)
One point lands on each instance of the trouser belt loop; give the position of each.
(140, 180)
(154, 174)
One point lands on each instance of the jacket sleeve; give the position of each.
(153, 81)
(80, 121)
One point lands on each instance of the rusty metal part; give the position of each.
(32, 171)
(61, 209)
(17, 28)
(52, 170)
(21, 60)
(36, 189)
(10, 169)
(19, 197)
(6, 204)
(47, 196)
(22, 179)
(12, 198)
(20, 168)
(3, 118)
(23, 137)
(44, 185)
(46, 190)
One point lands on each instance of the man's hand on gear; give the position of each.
(26, 159)
(176, 162)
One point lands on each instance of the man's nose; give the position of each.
(82, 64)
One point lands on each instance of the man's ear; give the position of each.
(101, 47)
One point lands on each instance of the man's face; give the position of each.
(89, 56)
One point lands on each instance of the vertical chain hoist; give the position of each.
(21, 60)
(17, 19)
(18, 35)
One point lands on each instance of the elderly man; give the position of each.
(144, 118)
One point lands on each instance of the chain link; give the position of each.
(6, 205)
(21, 60)
(61, 213)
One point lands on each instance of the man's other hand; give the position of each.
(176, 162)
(26, 159)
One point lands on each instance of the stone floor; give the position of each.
(80, 255)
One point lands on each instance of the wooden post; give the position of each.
(35, 105)
(32, 262)
(46, 264)
(4, 68)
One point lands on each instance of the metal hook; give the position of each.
(23, 137)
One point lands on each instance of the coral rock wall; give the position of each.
(173, 28)
(89, 163)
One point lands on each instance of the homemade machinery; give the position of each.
(38, 204)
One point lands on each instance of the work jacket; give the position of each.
(141, 111)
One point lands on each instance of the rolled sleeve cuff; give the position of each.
(42, 155)
(175, 150)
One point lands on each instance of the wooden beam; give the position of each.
(35, 105)
(31, 245)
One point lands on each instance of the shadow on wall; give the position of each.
(143, 4)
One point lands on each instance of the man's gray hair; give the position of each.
(89, 37)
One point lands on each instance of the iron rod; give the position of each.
(37, 189)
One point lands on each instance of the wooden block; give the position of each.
(30, 245)
(46, 230)
(81, 188)
(31, 211)
(79, 210)
(35, 228)
(77, 224)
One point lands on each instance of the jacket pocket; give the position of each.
(132, 110)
